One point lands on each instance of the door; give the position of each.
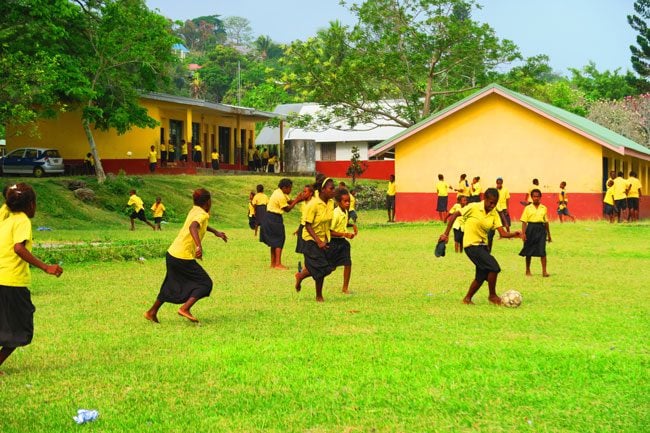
(12, 163)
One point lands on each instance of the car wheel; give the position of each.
(38, 172)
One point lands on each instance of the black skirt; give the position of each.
(535, 245)
(300, 242)
(16, 316)
(338, 253)
(260, 214)
(272, 233)
(316, 260)
(184, 279)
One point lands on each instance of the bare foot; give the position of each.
(467, 301)
(150, 316)
(529, 274)
(281, 267)
(298, 281)
(2, 373)
(187, 315)
(546, 274)
(494, 300)
(320, 299)
(346, 291)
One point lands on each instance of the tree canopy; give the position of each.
(641, 53)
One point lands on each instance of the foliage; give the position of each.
(238, 31)
(598, 85)
(641, 54)
(100, 251)
(629, 117)
(202, 33)
(369, 196)
(421, 54)
(356, 167)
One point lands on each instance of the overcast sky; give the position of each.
(570, 32)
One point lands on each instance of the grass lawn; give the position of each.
(401, 354)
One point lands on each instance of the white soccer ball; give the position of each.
(511, 299)
(129, 153)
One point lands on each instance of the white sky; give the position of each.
(570, 32)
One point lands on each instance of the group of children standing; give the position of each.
(322, 235)
(622, 197)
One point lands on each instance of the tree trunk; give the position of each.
(99, 170)
(427, 99)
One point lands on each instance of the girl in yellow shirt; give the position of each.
(186, 281)
(307, 194)
(535, 231)
(158, 210)
(316, 235)
(338, 252)
(16, 308)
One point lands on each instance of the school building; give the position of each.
(496, 132)
(229, 129)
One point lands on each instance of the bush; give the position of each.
(369, 197)
(84, 252)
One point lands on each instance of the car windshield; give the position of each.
(51, 153)
(16, 153)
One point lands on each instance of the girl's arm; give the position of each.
(322, 245)
(27, 256)
(450, 222)
(548, 231)
(524, 224)
(336, 234)
(293, 202)
(218, 234)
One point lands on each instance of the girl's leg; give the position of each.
(457, 247)
(5, 352)
(473, 288)
(132, 224)
(272, 257)
(185, 310)
(528, 260)
(319, 289)
(492, 286)
(301, 276)
(544, 273)
(347, 271)
(278, 259)
(152, 313)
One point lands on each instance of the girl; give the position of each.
(316, 235)
(458, 224)
(260, 202)
(251, 213)
(535, 231)
(16, 308)
(186, 282)
(338, 252)
(273, 233)
(158, 210)
(307, 195)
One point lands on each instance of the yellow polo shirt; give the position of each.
(609, 196)
(353, 202)
(4, 212)
(184, 149)
(183, 246)
(635, 186)
(562, 198)
(443, 188)
(620, 186)
(478, 223)
(251, 209)
(463, 189)
(303, 210)
(278, 201)
(476, 189)
(136, 202)
(158, 210)
(458, 222)
(391, 188)
(339, 220)
(504, 196)
(153, 156)
(260, 199)
(319, 214)
(198, 148)
(163, 147)
(16, 229)
(534, 214)
(214, 156)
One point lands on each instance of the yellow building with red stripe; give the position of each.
(229, 129)
(496, 132)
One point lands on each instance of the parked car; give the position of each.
(32, 160)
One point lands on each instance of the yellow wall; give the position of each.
(66, 133)
(492, 138)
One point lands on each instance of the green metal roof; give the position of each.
(592, 130)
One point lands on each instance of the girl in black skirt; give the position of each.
(186, 282)
(338, 252)
(307, 194)
(535, 231)
(316, 235)
(16, 308)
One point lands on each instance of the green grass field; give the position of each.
(401, 354)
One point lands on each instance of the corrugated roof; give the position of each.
(578, 124)
(224, 108)
(338, 132)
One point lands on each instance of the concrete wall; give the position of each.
(299, 156)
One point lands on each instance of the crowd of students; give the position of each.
(622, 196)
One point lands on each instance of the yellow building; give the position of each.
(500, 133)
(227, 128)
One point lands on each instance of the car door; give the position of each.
(29, 161)
(12, 162)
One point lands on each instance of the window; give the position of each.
(328, 151)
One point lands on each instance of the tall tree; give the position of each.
(238, 30)
(602, 85)
(202, 33)
(220, 70)
(641, 53)
(422, 54)
(126, 50)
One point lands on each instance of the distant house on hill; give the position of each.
(329, 149)
(496, 132)
(227, 128)
(180, 50)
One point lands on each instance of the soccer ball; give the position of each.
(129, 153)
(511, 299)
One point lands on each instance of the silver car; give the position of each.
(32, 160)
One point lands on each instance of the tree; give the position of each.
(421, 54)
(126, 49)
(267, 49)
(641, 53)
(356, 167)
(238, 31)
(220, 70)
(202, 33)
(629, 117)
(598, 85)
